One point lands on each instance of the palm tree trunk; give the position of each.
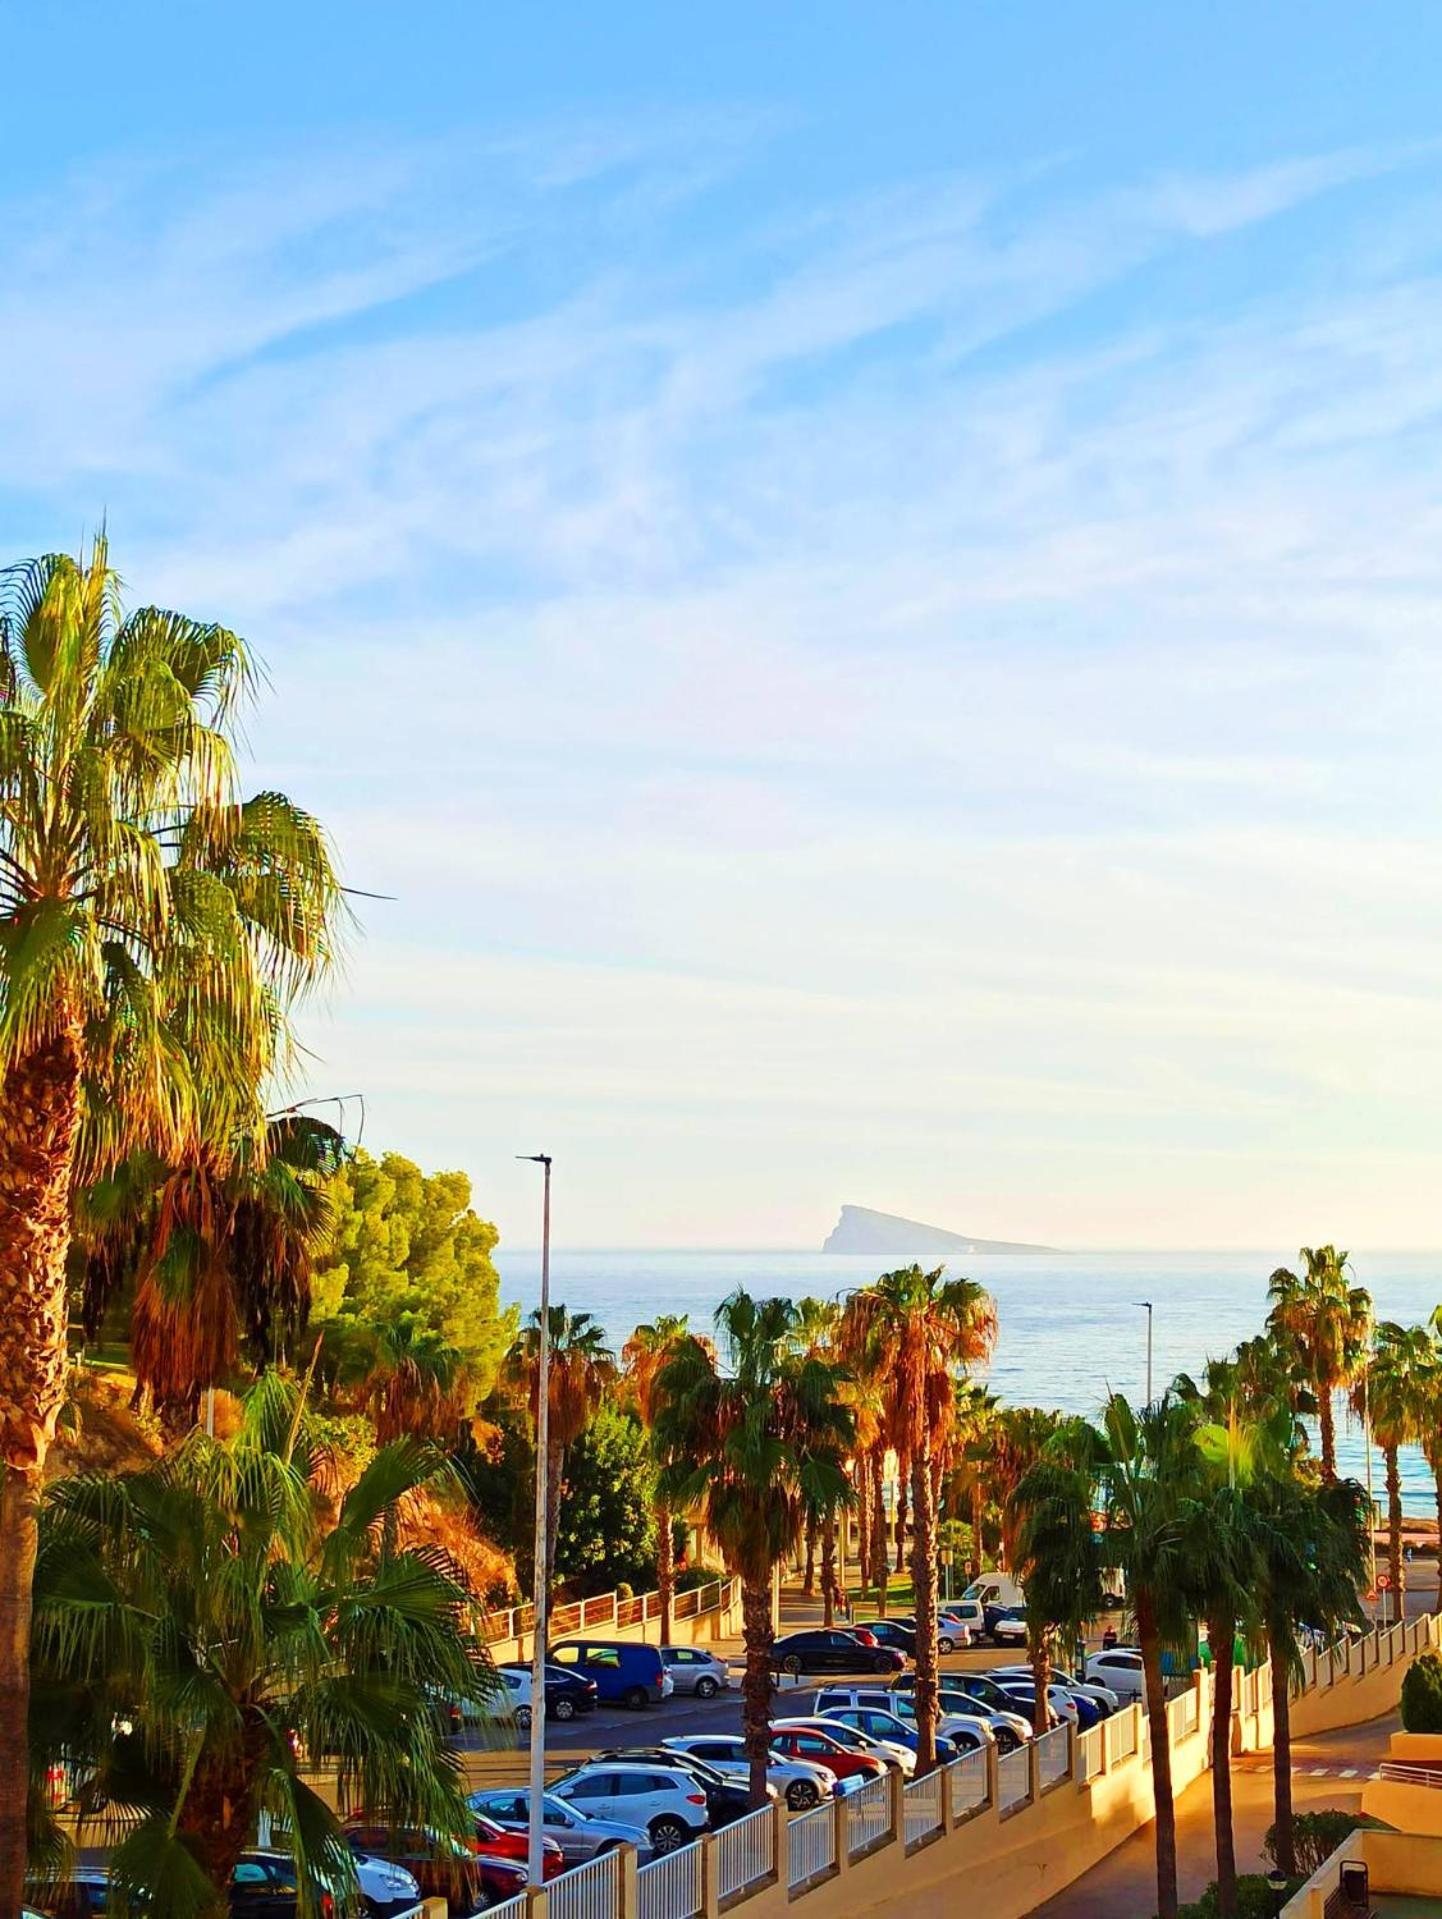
(665, 1568)
(808, 1582)
(861, 1479)
(976, 1522)
(828, 1568)
(218, 1814)
(901, 1523)
(756, 1684)
(1326, 1419)
(1221, 1631)
(923, 1580)
(1040, 1655)
(1396, 1565)
(1286, 1840)
(39, 1107)
(879, 1564)
(1149, 1640)
(1437, 1483)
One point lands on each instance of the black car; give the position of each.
(826, 1649)
(895, 1633)
(263, 1886)
(726, 1799)
(567, 1693)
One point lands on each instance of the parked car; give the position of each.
(825, 1746)
(694, 1670)
(995, 1589)
(951, 1634)
(1120, 1667)
(957, 1693)
(892, 1730)
(1100, 1695)
(970, 1723)
(826, 1649)
(567, 1693)
(1006, 1625)
(726, 1798)
(966, 1616)
(581, 1836)
(263, 1886)
(892, 1632)
(625, 1675)
(1063, 1702)
(666, 1801)
(442, 1868)
(800, 1782)
(900, 1758)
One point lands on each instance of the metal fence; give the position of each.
(745, 1852)
(1013, 1780)
(868, 1817)
(1089, 1753)
(670, 1887)
(606, 1609)
(1053, 1757)
(810, 1847)
(967, 1777)
(509, 1908)
(1122, 1728)
(921, 1817)
(592, 1891)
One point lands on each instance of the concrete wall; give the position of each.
(1396, 1862)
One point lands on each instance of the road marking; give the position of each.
(1349, 1772)
(1318, 1772)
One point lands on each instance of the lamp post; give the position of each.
(536, 1811)
(1148, 1304)
(1277, 1886)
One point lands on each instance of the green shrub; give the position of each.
(1317, 1835)
(1255, 1899)
(1422, 1694)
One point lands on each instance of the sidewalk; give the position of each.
(1124, 1885)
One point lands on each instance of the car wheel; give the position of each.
(943, 1644)
(705, 1688)
(801, 1794)
(634, 1697)
(792, 1664)
(881, 1664)
(667, 1834)
(523, 1718)
(564, 1708)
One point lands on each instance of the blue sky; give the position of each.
(869, 577)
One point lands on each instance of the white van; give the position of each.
(996, 1589)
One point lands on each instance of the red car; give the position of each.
(826, 1749)
(454, 1869)
(503, 1842)
(863, 1635)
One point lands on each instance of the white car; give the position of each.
(666, 1801)
(1059, 1698)
(1120, 1667)
(800, 1782)
(900, 1758)
(691, 1669)
(970, 1726)
(951, 1634)
(1007, 1629)
(1101, 1695)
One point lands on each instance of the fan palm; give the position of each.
(1327, 1322)
(643, 1356)
(976, 1419)
(1391, 1395)
(582, 1366)
(196, 1627)
(1055, 1549)
(152, 930)
(817, 1321)
(918, 1328)
(753, 1440)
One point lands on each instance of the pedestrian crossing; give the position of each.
(1360, 1771)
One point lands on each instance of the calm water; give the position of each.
(1071, 1327)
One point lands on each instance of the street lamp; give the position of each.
(534, 1836)
(1148, 1305)
(1277, 1886)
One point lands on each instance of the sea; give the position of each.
(1073, 1326)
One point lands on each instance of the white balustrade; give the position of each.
(1053, 1754)
(810, 1849)
(745, 1852)
(922, 1808)
(1013, 1779)
(670, 1887)
(868, 1817)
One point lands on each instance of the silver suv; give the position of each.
(669, 1803)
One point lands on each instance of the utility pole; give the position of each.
(1148, 1305)
(535, 1861)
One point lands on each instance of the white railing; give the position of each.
(670, 1887)
(592, 1891)
(1406, 1775)
(868, 1817)
(509, 1908)
(608, 1609)
(745, 1852)
(1122, 1731)
(922, 1808)
(967, 1778)
(1187, 1712)
(1053, 1757)
(1013, 1779)
(1089, 1745)
(810, 1848)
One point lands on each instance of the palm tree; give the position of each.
(643, 1356)
(1312, 1554)
(196, 1629)
(1431, 1439)
(582, 1366)
(817, 1323)
(153, 930)
(753, 1440)
(1392, 1396)
(976, 1423)
(1327, 1322)
(1056, 1552)
(1146, 1462)
(918, 1327)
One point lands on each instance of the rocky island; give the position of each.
(860, 1230)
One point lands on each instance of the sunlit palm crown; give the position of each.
(144, 907)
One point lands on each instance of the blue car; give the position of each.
(625, 1675)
